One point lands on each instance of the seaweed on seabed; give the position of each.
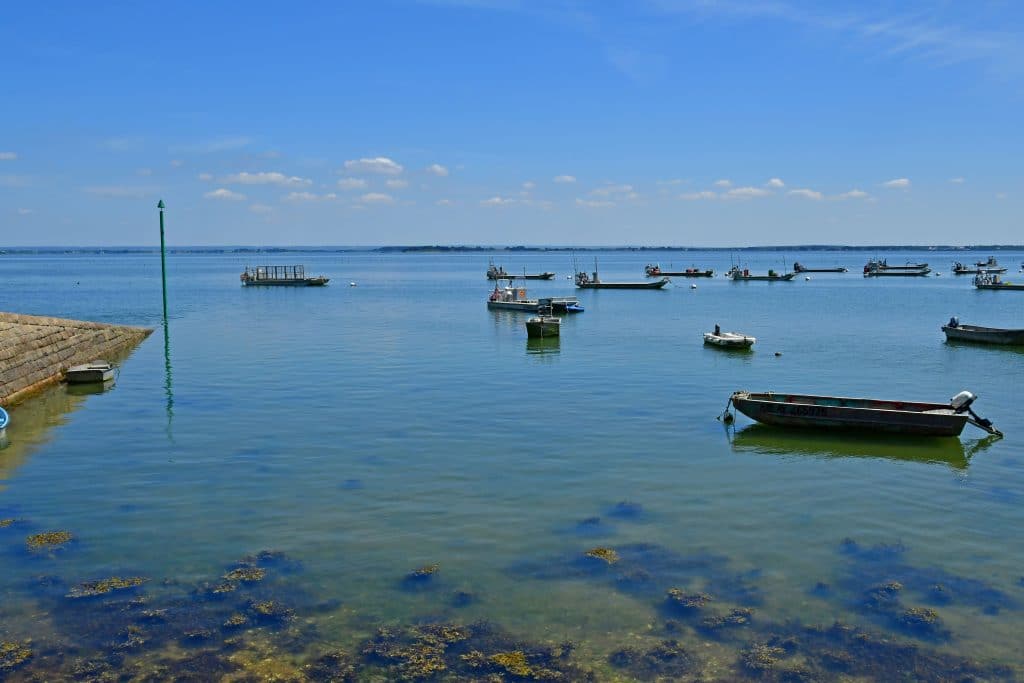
(421, 577)
(12, 656)
(474, 652)
(884, 563)
(687, 603)
(92, 589)
(666, 660)
(49, 541)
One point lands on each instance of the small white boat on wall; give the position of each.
(729, 340)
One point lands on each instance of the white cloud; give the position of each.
(529, 185)
(301, 197)
(119, 191)
(564, 179)
(594, 203)
(897, 183)
(437, 169)
(10, 180)
(695, 196)
(266, 178)
(376, 198)
(776, 183)
(746, 193)
(957, 181)
(806, 194)
(381, 165)
(445, 202)
(206, 176)
(224, 193)
(352, 183)
(673, 181)
(260, 208)
(609, 190)
(8, 156)
(24, 212)
(497, 201)
(212, 146)
(853, 194)
(396, 183)
(723, 183)
(330, 195)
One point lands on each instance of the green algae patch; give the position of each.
(760, 657)
(4, 523)
(90, 589)
(740, 616)
(271, 610)
(922, 621)
(606, 555)
(668, 660)
(424, 572)
(336, 666)
(48, 540)
(245, 574)
(13, 655)
(236, 620)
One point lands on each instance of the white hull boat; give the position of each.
(730, 340)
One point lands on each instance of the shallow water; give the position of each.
(367, 431)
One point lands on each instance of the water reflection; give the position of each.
(777, 441)
(32, 423)
(90, 388)
(545, 345)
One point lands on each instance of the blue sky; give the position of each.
(678, 122)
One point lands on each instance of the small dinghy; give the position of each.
(729, 340)
(545, 325)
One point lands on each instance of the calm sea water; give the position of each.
(366, 431)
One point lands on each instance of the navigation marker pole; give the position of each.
(163, 258)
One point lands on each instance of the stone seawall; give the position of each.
(35, 351)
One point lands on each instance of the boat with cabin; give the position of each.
(728, 340)
(512, 298)
(957, 331)
(983, 267)
(801, 268)
(544, 325)
(654, 270)
(993, 281)
(281, 276)
(988, 264)
(499, 273)
(860, 414)
(737, 275)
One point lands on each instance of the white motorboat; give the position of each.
(731, 340)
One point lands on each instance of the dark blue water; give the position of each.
(369, 430)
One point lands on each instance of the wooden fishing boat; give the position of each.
(584, 281)
(729, 340)
(955, 331)
(281, 276)
(737, 275)
(863, 414)
(964, 269)
(987, 281)
(498, 273)
(654, 270)
(800, 268)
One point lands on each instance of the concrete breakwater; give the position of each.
(35, 350)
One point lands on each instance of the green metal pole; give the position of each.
(163, 258)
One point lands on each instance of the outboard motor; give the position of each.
(962, 401)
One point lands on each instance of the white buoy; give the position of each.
(351, 284)
(693, 286)
(807, 278)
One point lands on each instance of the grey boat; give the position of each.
(955, 331)
(860, 414)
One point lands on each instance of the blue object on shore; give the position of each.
(4, 419)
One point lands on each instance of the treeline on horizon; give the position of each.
(458, 249)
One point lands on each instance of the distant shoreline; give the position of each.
(469, 249)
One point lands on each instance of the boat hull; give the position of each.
(729, 340)
(682, 273)
(304, 282)
(821, 270)
(852, 414)
(543, 329)
(763, 278)
(529, 276)
(1016, 288)
(889, 272)
(978, 271)
(984, 335)
(623, 285)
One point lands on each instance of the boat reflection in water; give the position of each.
(543, 345)
(769, 440)
(89, 388)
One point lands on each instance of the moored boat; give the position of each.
(863, 414)
(964, 269)
(896, 271)
(729, 340)
(511, 298)
(801, 268)
(499, 273)
(544, 325)
(956, 331)
(744, 275)
(883, 264)
(993, 281)
(654, 270)
(988, 264)
(281, 276)
(585, 281)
